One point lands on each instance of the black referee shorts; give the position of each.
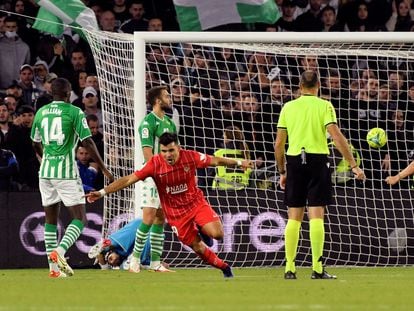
(308, 184)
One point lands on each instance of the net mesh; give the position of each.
(228, 97)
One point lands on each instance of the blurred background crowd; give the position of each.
(218, 93)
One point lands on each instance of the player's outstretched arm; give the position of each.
(89, 145)
(220, 161)
(118, 184)
(409, 170)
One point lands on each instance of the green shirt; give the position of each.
(59, 126)
(305, 120)
(152, 127)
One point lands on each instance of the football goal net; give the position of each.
(227, 91)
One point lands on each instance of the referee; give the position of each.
(305, 173)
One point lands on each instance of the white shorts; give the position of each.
(69, 191)
(149, 194)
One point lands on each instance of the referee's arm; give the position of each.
(280, 145)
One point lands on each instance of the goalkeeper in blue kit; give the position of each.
(113, 252)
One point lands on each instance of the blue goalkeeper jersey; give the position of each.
(123, 241)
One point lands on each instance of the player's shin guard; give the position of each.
(317, 239)
(211, 258)
(291, 244)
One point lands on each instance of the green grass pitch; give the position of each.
(205, 289)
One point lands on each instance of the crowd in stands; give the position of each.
(220, 88)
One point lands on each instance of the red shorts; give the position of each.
(186, 227)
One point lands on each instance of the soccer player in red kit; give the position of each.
(183, 203)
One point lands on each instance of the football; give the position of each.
(376, 137)
(397, 240)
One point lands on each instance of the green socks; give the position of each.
(140, 239)
(291, 243)
(50, 241)
(317, 239)
(72, 233)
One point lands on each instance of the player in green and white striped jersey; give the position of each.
(151, 128)
(56, 130)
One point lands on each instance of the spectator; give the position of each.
(3, 16)
(92, 80)
(30, 91)
(25, 30)
(88, 170)
(227, 64)
(96, 7)
(398, 85)
(41, 69)
(46, 97)
(155, 24)
(328, 19)
(137, 22)
(14, 52)
(97, 136)
(250, 122)
(203, 73)
(175, 69)
(19, 142)
(90, 101)
(11, 102)
(402, 16)
(361, 20)
(287, 21)
(79, 62)
(5, 124)
(120, 10)
(8, 168)
(107, 21)
(309, 20)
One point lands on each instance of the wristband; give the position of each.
(239, 163)
(102, 192)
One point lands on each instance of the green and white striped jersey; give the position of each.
(59, 126)
(152, 127)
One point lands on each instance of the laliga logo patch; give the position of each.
(32, 233)
(145, 133)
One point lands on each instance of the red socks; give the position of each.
(211, 258)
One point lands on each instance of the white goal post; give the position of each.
(368, 78)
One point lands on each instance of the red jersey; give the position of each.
(176, 184)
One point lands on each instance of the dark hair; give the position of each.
(25, 109)
(10, 18)
(91, 117)
(309, 79)
(61, 89)
(155, 92)
(168, 138)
